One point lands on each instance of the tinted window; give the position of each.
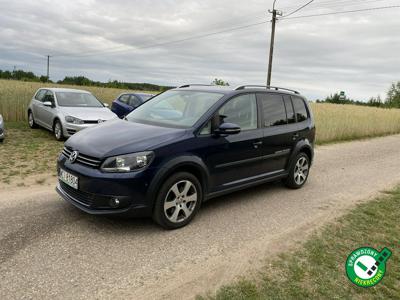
(134, 101)
(273, 110)
(241, 110)
(300, 109)
(124, 99)
(291, 117)
(39, 95)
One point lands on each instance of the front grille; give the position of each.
(83, 159)
(83, 198)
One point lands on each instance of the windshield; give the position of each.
(72, 99)
(180, 109)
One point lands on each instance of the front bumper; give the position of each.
(96, 191)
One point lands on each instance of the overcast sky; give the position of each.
(357, 53)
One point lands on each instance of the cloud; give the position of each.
(357, 52)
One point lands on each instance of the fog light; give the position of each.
(114, 202)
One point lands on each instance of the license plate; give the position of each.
(68, 179)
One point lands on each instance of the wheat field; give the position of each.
(334, 122)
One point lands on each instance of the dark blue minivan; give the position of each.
(127, 102)
(185, 146)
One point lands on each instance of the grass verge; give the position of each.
(317, 270)
(26, 152)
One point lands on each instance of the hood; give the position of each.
(118, 137)
(88, 113)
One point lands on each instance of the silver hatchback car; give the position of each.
(2, 134)
(66, 111)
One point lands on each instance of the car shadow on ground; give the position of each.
(122, 224)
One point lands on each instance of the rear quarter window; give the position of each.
(300, 109)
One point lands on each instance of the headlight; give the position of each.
(127, 162)
(73, 120)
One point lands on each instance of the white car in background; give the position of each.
(66, 111)
(2, 132)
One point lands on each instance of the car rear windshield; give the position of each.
(72, 99)
(181, 109)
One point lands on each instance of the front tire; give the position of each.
(31, 120)
(178, 201)
(58, 131)
(298, 172)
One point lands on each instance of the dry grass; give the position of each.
(15, 96)
(26, 152)
(337, 122)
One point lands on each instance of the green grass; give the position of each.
(26, 152)
(316, 271)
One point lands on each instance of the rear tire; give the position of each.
(58, 131)
(31, 120)
(298, 172)
(178, 201)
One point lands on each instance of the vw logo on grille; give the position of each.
(73, 156)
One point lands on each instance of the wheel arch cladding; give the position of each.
(189, 164)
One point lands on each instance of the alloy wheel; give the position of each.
(30, 119)
(180, 201)
(57, 131)
(301, 170)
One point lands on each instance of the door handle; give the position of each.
(257, 144)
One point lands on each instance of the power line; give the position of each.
(301, 7)
(171, 42)
(126, 48)
(341, 12)
(220, 32)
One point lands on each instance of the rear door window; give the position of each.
(134, 101)
(273, 110)
(300, 109)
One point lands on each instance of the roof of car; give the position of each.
(229, 89)
(65, 90)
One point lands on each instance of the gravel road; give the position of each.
(50, 250)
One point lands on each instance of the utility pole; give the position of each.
(48, 67)
(275, 13)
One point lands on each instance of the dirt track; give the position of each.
(49, 249)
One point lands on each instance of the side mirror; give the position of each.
(48, 104)
(106, 105)
(227, 129)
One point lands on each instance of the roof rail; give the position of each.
(194, 84)
(242, 87)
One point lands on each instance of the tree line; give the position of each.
(82, 81)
